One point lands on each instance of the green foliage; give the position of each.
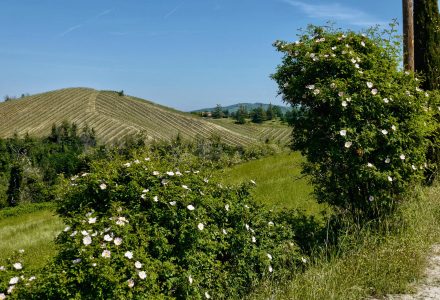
(360, 121)
(29, 167)
(218, 112)
(258, 115)
(241, 115)
(427, 41)
(151, 228)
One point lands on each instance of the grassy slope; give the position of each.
(279, 181)
(370, 263)
(114, 117)
(32, 231)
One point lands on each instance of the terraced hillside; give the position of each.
(113, 117)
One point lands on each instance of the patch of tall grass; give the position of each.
(388, 258)
(31, 228)
(279, 182)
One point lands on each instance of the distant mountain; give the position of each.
(249, 107)
(114, 116)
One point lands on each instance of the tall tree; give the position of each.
(427, 42)
(218, 112)
(408, 34)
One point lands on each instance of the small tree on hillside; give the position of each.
(427, 42)
(241, 115)
(258, 115)
(270, 113)
(15, 180)
(218, 112)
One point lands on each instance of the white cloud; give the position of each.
(336, 12)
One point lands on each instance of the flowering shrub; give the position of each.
(360, 121)
(148, 229)
(13, 275)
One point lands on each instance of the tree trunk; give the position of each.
(408, 34)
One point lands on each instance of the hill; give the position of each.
(249, 106)
(115, 116)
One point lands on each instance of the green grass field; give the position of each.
(279, 182)
(32, 231)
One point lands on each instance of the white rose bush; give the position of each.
(360, 120)
(162, 230)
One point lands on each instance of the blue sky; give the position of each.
(185, 54)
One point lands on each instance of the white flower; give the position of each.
(106, 254)
(108, 238)
(310, 86)
(147, 159)
(269, 256)
(2, 268)
(356, 66)
(117, 241)
(2, 296)
(334, 48)
(390, 179)
(200, 226)
(76, 261)
(87, 240)
(138, 265)
(370, 165)
(137, 161)
(127, 164)
(92, 220)
(374, 91)
(270, 269)
(371, 198)
(393, 128)
(370, 85)
(170, 173)
(253, 182)
(32, 278)
(102, 186)
(10, 289)
(144, 191)
(254, 240)
(190, 279)
(341, 94)
(185, 187)
(156, 199)
(316, 91)
(270, 223)
(14, 280)
(363, 44)
(67, 228)
(73, 233)
(84, 232)
(333, 85)
(130, 283)
(343, 132)
(128, 254)
(17, 266)
(94, 264)
(143, 196)
(348, 144)
(304, 260)
(224, 231)
(142, 275)
(227, 207)
(402, 156)
(206, 180)
(190, 207)
(413, 167)
(178, 173)
(387, 160)
(353, 60)
(408, 93)
(384, 131)
(344, 103)
(247, 226)
(207, 295)
(386, 100)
